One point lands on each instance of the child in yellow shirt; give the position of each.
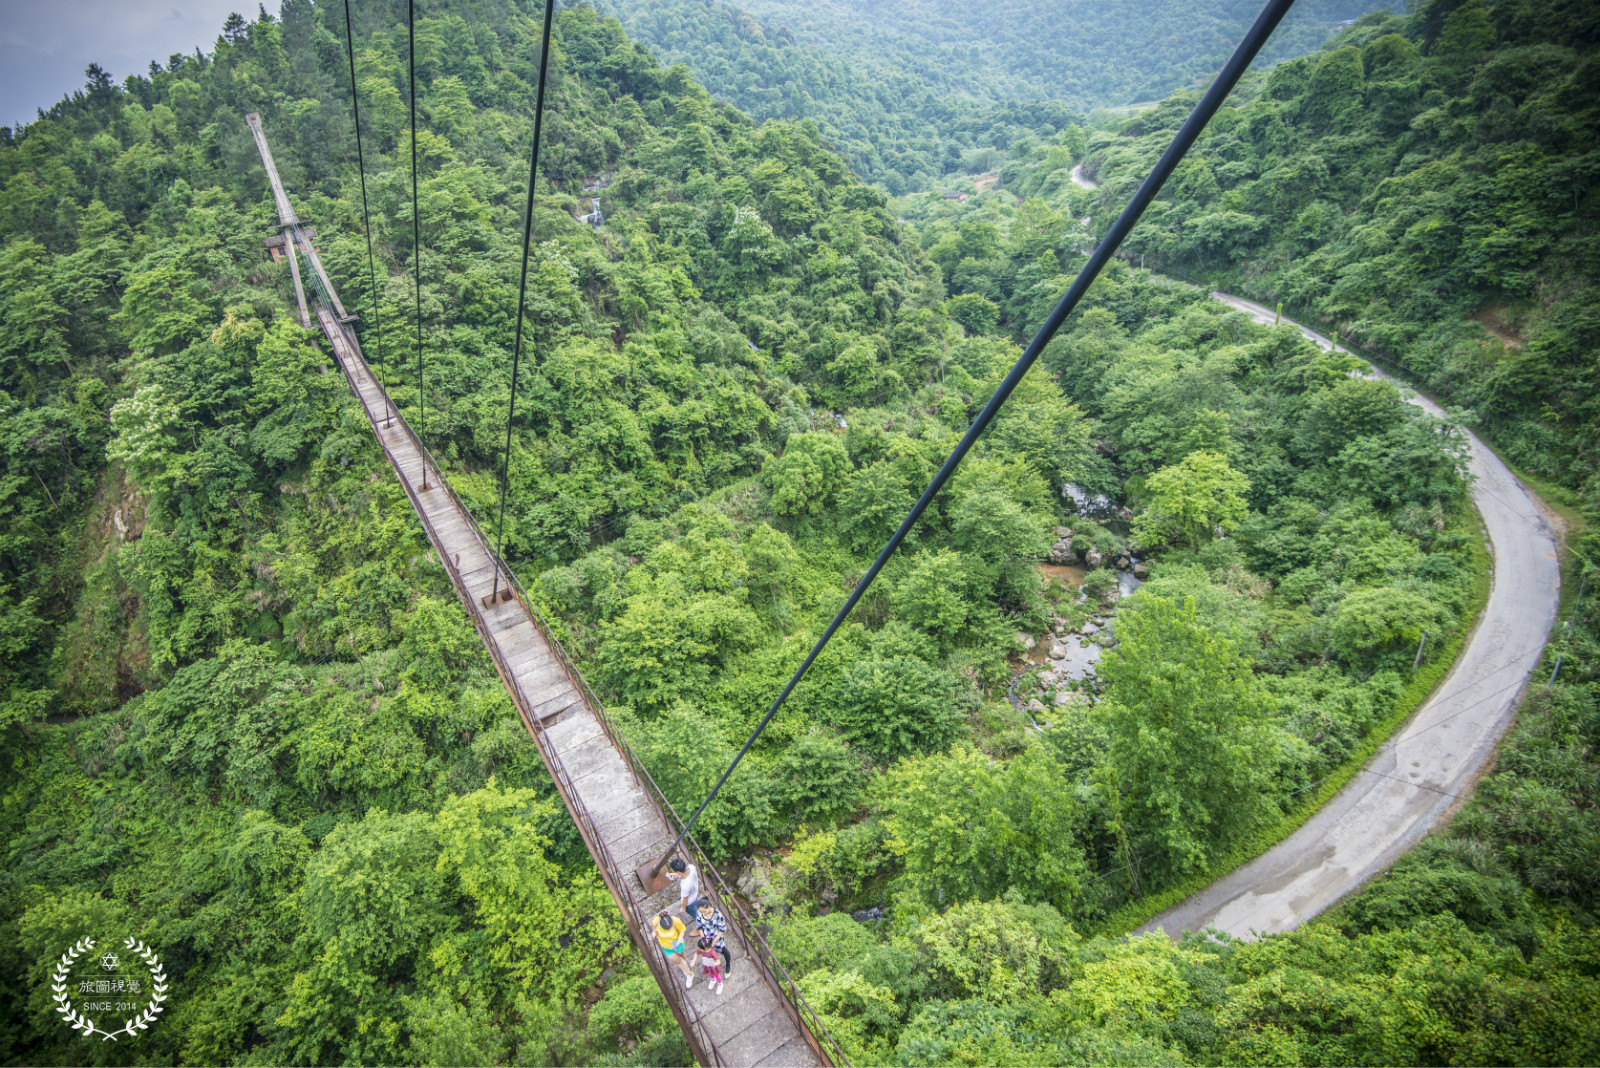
(669, 933)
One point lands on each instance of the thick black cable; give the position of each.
(522, 287)
(1231, 72)
(366, 216)
(416, 238)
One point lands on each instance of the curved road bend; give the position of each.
(1413, 782)
(1410, 786)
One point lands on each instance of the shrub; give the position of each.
(897, 706)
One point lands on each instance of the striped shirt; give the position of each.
(716, 924)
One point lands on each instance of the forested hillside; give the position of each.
(1427, 185)
(244, 716)
(1516, 866)
(911, 91)
(245, 720)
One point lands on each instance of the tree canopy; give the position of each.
(244, 719)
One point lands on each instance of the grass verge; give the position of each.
(1417, 691)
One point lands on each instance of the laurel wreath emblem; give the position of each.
(79, 1022)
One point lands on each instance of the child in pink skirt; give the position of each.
(710, 962)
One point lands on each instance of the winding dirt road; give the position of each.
(1414, 781)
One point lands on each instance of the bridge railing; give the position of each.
(805, 1018)
(800, 1012)
(777, 976)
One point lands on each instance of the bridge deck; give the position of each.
(622, 817)
(749, 1023)
(280, 198)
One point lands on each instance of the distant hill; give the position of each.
(915, 90)
(1427, 186)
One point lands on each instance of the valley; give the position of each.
(264, 707)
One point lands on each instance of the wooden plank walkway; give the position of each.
(280, 198)
(750, 1022)
(287, 219)
(621, 815)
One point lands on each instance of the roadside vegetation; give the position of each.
(245, 720)
(1510, 875)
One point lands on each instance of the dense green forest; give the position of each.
(913, 90)
(245, 720)
(1516, 866)
(1429, 186)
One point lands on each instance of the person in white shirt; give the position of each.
(688, 877)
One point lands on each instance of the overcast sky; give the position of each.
(46, 44)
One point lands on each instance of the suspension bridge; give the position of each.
(628, 826)
(759, 1018)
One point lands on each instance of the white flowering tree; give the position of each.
(750, 245)
(146, 442)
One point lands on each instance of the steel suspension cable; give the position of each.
(366, 216)
(416, 239)
(522, 287)
(1229, 76)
